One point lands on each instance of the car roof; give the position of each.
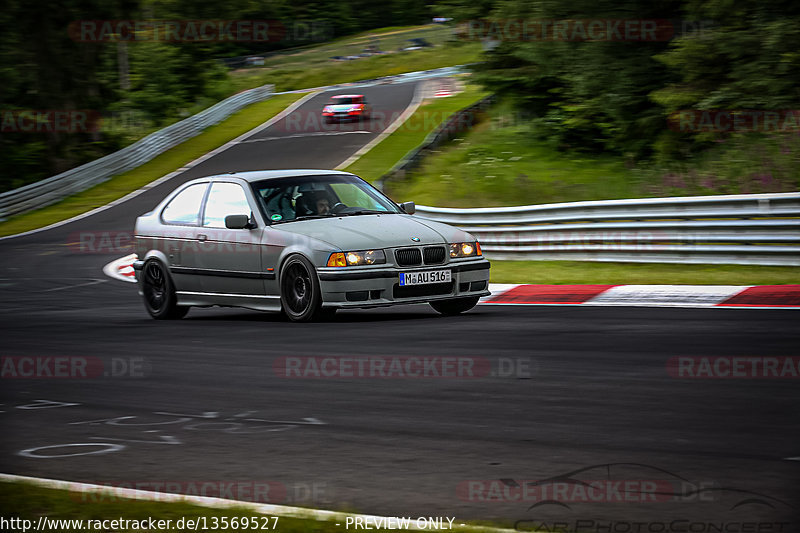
(258, 175)
(348, 96)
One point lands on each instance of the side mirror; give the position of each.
(408, 207)
(238, 222)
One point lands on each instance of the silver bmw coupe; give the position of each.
(301, 242)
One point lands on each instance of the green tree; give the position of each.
(747, 57)
(587, 95)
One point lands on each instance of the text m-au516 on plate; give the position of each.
(422, 278)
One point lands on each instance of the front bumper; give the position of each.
(345, 116)
(376, 287)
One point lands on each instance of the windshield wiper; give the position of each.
(365, 212)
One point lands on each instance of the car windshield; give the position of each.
(305, 197)
(346, 100)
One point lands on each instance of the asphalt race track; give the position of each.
(570, 388)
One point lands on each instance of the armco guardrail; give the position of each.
(51, 190)
(761, 229)
(456, 123)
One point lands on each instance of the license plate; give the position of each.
(423, 278)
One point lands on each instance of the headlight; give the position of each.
(367, 257)
(465, 249)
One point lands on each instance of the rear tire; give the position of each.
(160, 299)
(301, 295)
(455, 307)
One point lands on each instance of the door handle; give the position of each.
(202, 238)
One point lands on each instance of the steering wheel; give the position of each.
(338, 207)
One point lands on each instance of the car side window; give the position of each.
(223, 200)
(185, 207)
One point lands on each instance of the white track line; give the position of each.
(216, 503)
(86, 284)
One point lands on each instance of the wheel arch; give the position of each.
(291, 251)
(158, 255)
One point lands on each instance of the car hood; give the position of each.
(366, 232)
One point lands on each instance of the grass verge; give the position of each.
(312, 67)
(412, 133)
(387, 39)
(503, 162)
(28, 502)
(171, 160)
(583, 272)
(496, 164)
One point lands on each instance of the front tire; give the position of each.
(160, 299)
(301, 295)
(455, 307)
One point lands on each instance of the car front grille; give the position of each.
(434, 255)
(408, 256)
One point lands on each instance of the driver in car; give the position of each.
(323, 205)
(313, 203)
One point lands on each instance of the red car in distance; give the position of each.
(346, 107)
